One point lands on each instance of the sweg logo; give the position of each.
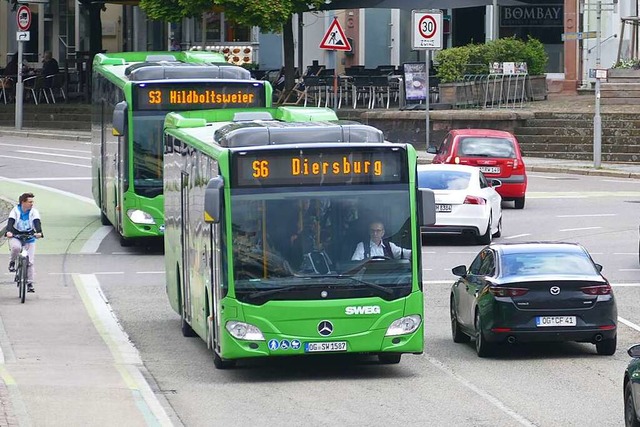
(363, 309)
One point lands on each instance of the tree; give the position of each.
(269, 15)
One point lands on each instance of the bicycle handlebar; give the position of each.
(24, 235)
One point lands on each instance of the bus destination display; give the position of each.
(198, 95)
(319, 168)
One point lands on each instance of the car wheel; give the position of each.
(483, 348)
(630, 416)
(499, 232)
(519, 203)
(456, 333)
(389, 358)
(485, 239)
(607, 347)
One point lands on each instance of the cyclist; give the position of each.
(24, 218)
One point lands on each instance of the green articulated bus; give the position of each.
(266, 217)
(131, 94)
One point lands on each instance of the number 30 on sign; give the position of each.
(427, 29)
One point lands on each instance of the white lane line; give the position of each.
(584, 215)
(485, 395)
(93, 243)
(517, 236)
(126, 357)
(54, 190)
(31, 159)
(629, 324)
(625, 181)
(72, 150)
(68, 178)
(40, 153)
(149, 272)
(109, 272)
(580, 229)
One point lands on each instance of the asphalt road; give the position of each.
(545, 385)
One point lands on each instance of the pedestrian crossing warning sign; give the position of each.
(334, 38)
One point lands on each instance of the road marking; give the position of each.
(580, 194)
(93, 243)
(109, 272)
(73, 150)
(69, 178)
(517, 236)
(463, 252)
(485, 395)
(150, 272)
(51, 189)
(624, 285)
(580, 229)
(629, 324)
(584, 215)
(626, 181)
(126, 357)
(625, 253)
(31, 159)
(53, 154)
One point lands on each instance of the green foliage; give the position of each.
(453, 63)
(629, 63)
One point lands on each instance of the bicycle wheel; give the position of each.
(24, 262)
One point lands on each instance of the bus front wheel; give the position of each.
(219, 363)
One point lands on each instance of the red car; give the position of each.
(497, 154)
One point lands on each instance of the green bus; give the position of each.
(131, 94)
(265, 211)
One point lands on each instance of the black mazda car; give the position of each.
(535, 291)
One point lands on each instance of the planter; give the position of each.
(622, 87)
(537, 89)
(458, 94)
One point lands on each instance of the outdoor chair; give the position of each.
(55, 83)
(35, 84)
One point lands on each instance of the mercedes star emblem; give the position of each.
(555, 290)
(325, 328)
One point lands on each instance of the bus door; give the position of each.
(216, 281)
(186, 248)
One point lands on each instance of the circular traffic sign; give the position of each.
(427, 26)
(23, 17)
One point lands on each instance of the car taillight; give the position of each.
(516, 163)
(501, 291)
(597, 290)
(474, 200)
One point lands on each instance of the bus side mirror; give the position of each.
(427, 207)
(119, 118)
(213, 200)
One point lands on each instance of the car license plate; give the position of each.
(542, 321)
(443, 208)
(317, 347)
(490, 169)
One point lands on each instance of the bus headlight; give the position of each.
(140, 217)
(244, 331)
(404, 325)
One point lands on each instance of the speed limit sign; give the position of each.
(427, 29)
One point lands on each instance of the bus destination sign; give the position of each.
(179, 96)
(315, 167)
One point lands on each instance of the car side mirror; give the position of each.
(634, 351)
(460, 270)
(495, 183)
(432, 150)
(599, 268)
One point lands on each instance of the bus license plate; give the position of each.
(542, 321)
(490, 169)
(443, 208)
(318, 347)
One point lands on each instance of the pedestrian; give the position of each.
(49, 65)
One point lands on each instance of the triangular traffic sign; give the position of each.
(334, 38)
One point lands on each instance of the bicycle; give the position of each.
(22, 264)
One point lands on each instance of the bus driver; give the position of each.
(379, 247)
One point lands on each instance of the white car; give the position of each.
(466, 201)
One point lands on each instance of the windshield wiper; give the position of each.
(258, 294)
(363, 282)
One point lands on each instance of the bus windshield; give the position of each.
(302, 243)
(147, 153)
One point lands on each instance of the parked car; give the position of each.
(497, 154)
(528, 292)
(466, 202)
(631, 388)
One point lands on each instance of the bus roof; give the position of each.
(269, 126)
(148, 66)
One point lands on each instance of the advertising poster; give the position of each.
(415, 82)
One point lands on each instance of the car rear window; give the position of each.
(556, 263)
(486, 147)
(443, 180)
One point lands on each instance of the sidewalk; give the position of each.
(534, 164)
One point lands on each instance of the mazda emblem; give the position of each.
(325, 328)
(555, 290)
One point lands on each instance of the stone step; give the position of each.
(574, 131)
(564, 123)
(562, 147)
(588, 156)
(577, 140)
(585, 116)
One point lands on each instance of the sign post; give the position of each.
(335, 39)
(23, 17)
(426, 35)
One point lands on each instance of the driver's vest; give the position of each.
(386, 248)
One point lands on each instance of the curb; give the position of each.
(589, 172)
(43, 134)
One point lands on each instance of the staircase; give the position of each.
(49, 116)
(570, 136)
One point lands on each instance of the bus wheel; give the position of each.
(389, 358)
(103, 219)
(219, 363)
(187, 331)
